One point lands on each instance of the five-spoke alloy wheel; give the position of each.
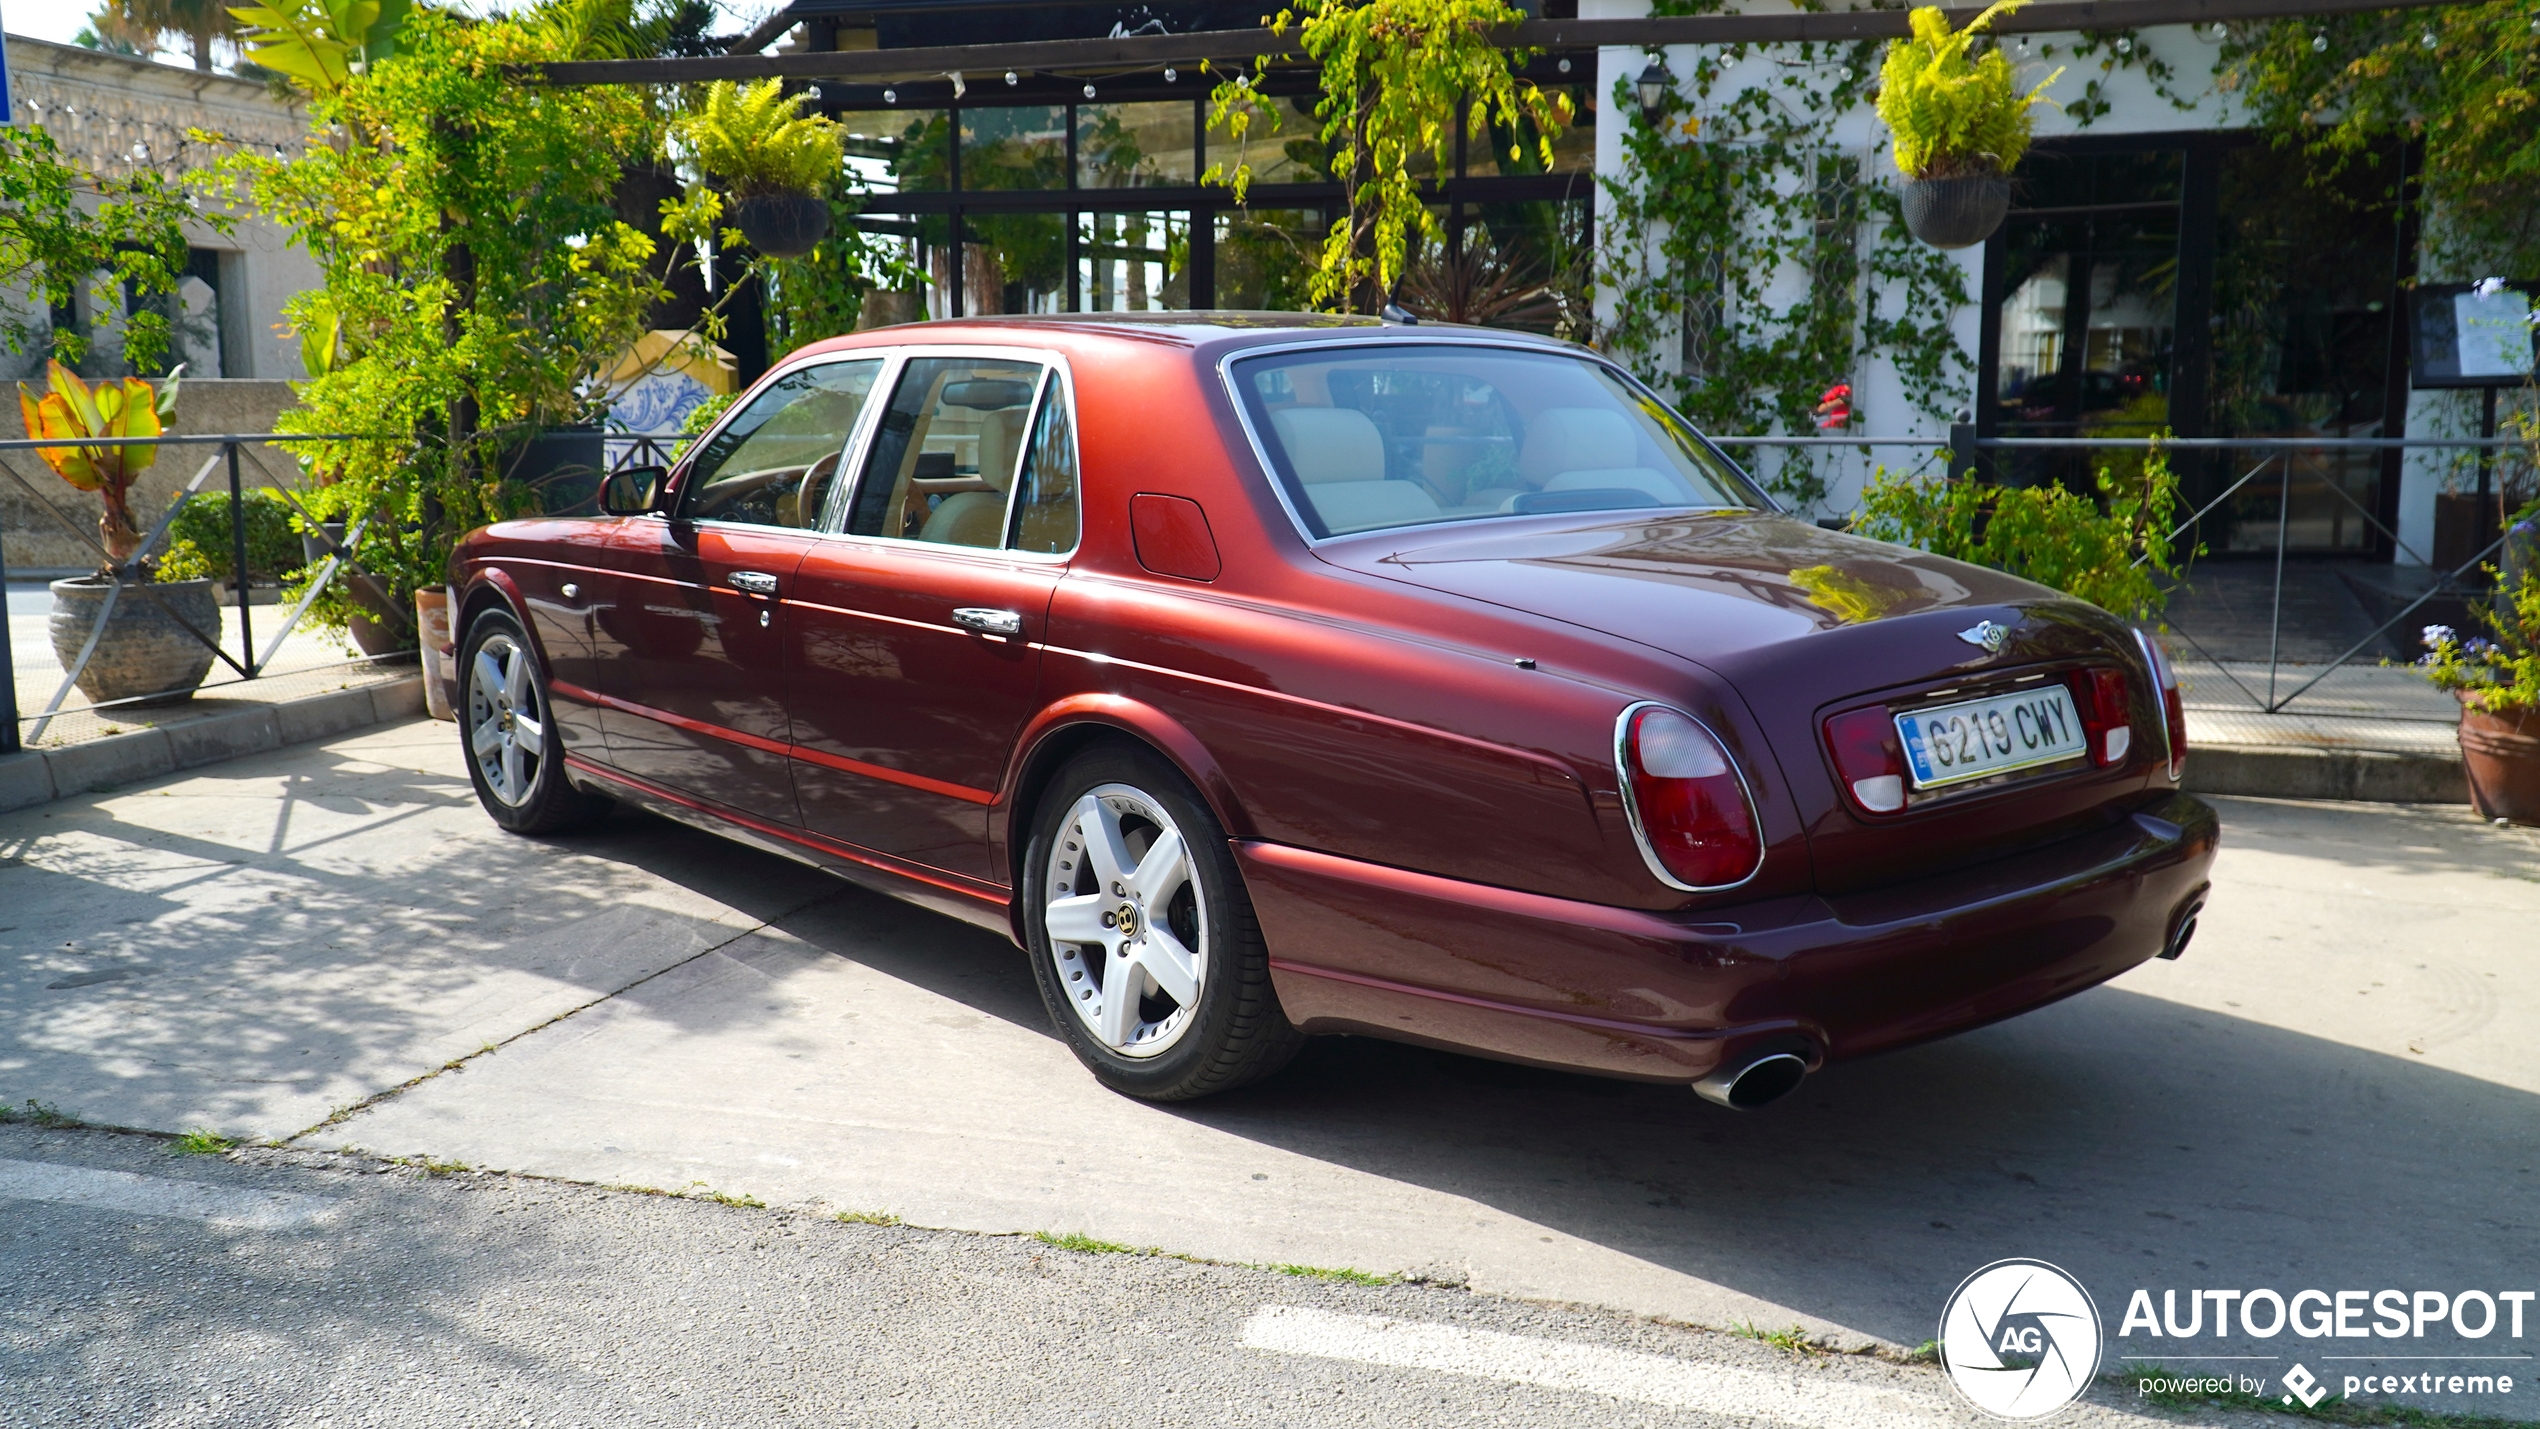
(1143, 941)
(514, 756)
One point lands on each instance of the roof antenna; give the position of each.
(1398, 314)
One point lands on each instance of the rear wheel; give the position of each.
(515, 756)
(1142, 939)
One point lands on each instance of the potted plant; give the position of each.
(143, 650)
(2497, 682)
(1958, 126)
(777, 163)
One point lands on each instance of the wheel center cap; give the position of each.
(1128, 920)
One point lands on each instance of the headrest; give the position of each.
(1563, 439)
(1330, 444)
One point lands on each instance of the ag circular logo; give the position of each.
(2020, 1339)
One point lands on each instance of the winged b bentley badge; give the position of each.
(1987, 633)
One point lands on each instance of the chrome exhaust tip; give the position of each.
(2182, 930)
(1753, 1083)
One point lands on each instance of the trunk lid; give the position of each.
(1803, 622)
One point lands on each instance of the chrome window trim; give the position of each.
(1631, 804)
(1545, 347)
(778, 373)
(1055, 374)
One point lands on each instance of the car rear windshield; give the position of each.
(1365, 439)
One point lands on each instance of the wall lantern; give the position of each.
(1654, 84)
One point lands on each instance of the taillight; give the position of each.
(1868, 758)
(2173, 707)
(1689, 808)
(2105, 721)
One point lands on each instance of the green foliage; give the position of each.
(753, 139)
(199, 544)
(61, 227)
(1723, 196)
(202, 1143)
(1948, 113)
(2498, 672)
(2461, 80)
(477, 277)
(2112, 551)
(321, 44)
(867, 1218)
(1396, 75)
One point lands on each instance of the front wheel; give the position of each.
(515, 756)
(1141, 937)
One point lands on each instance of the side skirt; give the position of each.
(972, 901)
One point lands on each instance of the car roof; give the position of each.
(1194, 330)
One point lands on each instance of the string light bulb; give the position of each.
(2429, 39)
(2319, 44)
(1012, 79)
(1172, 75)
(1089, 91)
(890, 96)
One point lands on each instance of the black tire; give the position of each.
(518, 770)
(1233, 1032)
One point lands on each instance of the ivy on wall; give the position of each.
(1761, 264)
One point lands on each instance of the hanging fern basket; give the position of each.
(1956, 212)
(782, 225)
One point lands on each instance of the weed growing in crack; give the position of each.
(868, 1218)
(37, 1113)
(1344, 1276)
(1087, 1245)
(1795, 1340)
(200, 1142)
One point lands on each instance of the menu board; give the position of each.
(2475, 335)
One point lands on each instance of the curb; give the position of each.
(39, 776)
(2361, 775)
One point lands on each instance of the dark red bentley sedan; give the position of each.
(1268, 675)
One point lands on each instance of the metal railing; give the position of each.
(130, 577)
(1963, 452)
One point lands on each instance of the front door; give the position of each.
(690, 641)
(916, 655)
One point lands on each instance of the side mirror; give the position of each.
(632, 491)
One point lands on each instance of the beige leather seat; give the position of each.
(1588, 448)
(1339, 458)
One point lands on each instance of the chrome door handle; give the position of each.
(755, 582)
(989, 622)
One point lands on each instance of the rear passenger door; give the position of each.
(916, 656)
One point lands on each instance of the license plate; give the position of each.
(1949, 744)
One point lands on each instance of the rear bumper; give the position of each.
(1359, 947)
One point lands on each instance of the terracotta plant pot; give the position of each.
(1958, 212)
(782, 225)
(432, 617)
(143, 651)
(2502, 755)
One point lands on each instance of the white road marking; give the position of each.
(158, 1196)
(1800, 1396)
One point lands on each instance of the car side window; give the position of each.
(945, 458)
(774, 464)
(1045, 494)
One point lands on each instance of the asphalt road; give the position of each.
(309, 1289)
(331, 947)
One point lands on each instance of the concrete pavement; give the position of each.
(2336, 1086)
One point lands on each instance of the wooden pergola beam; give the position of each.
(1245, 46)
